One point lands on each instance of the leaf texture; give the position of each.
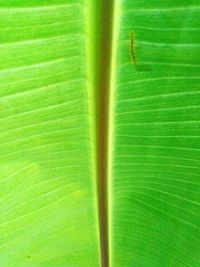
(155, 150)
(48, 193)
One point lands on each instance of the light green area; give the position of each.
(48, 201)
(155, 150)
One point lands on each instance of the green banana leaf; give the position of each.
(51, 65)
(48, 193)
(155, 140)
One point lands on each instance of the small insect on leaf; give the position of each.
(133, 56)
(138, 67)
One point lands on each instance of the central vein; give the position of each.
(104, 48)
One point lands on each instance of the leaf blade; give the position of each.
(154, 185)
(48, 201)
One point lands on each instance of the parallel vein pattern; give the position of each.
(48, 200)
(155, 184)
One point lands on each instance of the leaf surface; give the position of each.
(47, 172)
(155, 135)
